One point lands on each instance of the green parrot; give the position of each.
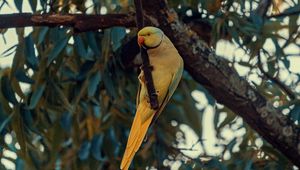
(167, 70)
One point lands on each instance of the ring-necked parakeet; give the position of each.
(167, 70)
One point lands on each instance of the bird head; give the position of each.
(150, 37)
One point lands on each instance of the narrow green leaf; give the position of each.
(96, 146)
(294, 9)
(84, 150)
(93, 83)
(27, 117)
(5, 122)
(19, 4)
(37, 94)
(9, 51)
(66, 121)
(7, 90)
(93, 43)
(33, 4)
(31, 59)
(21, 76)
(109, 85)
(42, 34)
(59, 46)
(80, 48)
(117, 35)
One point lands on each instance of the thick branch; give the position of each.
(206, 68)
(80, 22)
(224, 83)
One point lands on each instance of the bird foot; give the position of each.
(142, 67)
(153, 94)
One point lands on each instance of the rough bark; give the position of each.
(211, 71)
(224, 83)
(79, 22)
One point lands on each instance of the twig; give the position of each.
(146, 67)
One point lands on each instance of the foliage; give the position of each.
(80, 99)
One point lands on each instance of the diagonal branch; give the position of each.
(224, 83)
(205, 67)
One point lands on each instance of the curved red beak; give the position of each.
(141, 40)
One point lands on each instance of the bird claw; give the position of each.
(142, 67)
(153, 94)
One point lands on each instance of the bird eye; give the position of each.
(148, 34)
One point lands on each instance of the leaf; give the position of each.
(42, 34)
(21, 76)
(9, 51)
(27, 117)
(97, 111)
(109, 85)
(215, 163)
(84, 150)
(231, 144)
(93, 83)
(7, 91)
(66, 121)
(31, 58)
(85, 68)
(294, 9)
(57, 49)
(80, 48)
(37, 94)
(295, 113)
(249, 165)
(5, 122)
(93, 43)
(19, 4)
(33, 4)
(117, 35)
(257, 20)
(97, 142)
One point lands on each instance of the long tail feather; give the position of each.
(137, 134)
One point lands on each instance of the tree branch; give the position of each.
(211, 71)
(79, 22)
(146, 63)
(224, 83)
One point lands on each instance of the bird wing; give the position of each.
(140, 125)
(141, 122)
(172, 87)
